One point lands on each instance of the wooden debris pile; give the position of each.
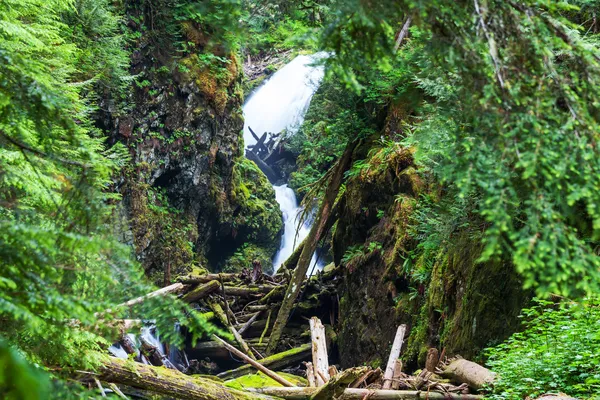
(245, 305)
(325, 382)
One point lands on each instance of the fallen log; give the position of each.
(154, 355)
(316, 232)
(305, 393)
(196, 279)
(371, 375)
(167, 382)
(127, 344)
(201, 291)
(277, 292)
(397, 375)
(174, 288)
(388, 376)
(249, 323)
(263, 166)
(464, 371)
(310, 375)
(263, 307)
(337, 385)
(255, 364)
(218, 310)
(264, 332)
(319, 351)
(247, 291)
(274, 362)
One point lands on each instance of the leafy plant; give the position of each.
(557, 351)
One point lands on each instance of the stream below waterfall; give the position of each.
(280, 104)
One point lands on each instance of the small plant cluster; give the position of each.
(557, 351)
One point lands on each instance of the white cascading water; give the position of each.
(279, 104)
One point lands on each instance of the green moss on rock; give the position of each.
(254, 217)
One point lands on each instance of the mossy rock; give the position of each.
(259, 380)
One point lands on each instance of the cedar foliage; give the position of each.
(61, 261)
(508, 120)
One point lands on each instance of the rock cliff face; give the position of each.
(187, 192)
(448, 300)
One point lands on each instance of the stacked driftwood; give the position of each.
(325, 382)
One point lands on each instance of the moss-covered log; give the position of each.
(250, 290)
(201, 291)
(195, 279)
(168, 382)
(274, 362)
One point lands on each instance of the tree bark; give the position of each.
(319, 351)
(309, 248)
(473, 374)
(167, 382)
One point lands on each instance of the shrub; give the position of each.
(558, 351)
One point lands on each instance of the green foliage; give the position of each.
(334, 117)
(509, 119)
(61, 263)
(282, 25)
(354, 255)
(18, 379)
(558, 351)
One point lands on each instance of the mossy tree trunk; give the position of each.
(168, 382)
(310, 245)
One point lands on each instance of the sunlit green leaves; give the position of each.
(558, 350)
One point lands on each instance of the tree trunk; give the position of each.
(473, 374)
(394, 354)
(403, 33)
(319, 351)
(309, 248)
(168, 382)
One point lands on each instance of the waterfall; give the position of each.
(279, 104)
(291, 217)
